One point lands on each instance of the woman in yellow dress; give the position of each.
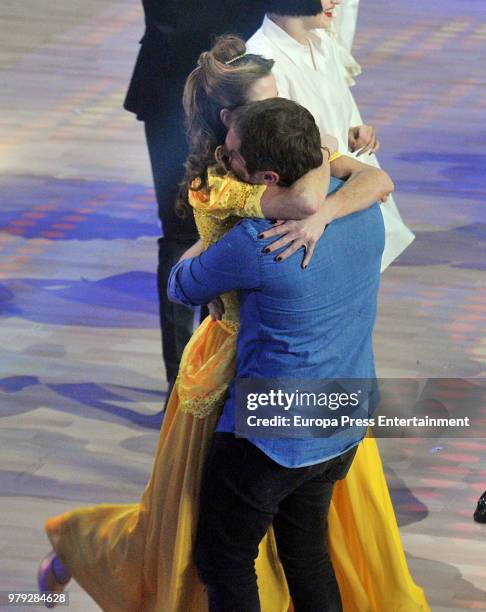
(138, 557)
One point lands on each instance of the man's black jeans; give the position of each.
(243, 491)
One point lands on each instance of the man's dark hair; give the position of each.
(293, 8)
(280, 135)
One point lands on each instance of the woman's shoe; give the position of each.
(47, 579)
(480, 513)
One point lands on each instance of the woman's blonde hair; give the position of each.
(222, 79)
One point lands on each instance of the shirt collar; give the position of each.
(286, 42)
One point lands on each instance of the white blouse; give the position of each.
(343, 28)
(312, 75)
(345, 20)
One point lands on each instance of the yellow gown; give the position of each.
(138, 557)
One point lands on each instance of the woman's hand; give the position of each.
(194, 251)
(216, 308)
(363, 139)
(297, 234)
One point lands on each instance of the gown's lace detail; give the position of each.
(208, 362)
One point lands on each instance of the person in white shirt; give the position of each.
(346, 18)
(343, 28)
(309, 71)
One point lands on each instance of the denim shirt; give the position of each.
(304, 324)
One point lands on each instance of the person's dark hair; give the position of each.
(222, 79)
(293, 8)
(279, 135)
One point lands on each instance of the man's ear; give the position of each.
(266, 177)
(225, 116)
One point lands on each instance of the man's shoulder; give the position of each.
(245, 234)
(252, 227)
(243, 241)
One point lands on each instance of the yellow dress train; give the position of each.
(138, 557)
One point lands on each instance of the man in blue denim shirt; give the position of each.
(306, 324)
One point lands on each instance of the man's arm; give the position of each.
(231, 263)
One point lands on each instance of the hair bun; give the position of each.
(203, 58)
(227, 48)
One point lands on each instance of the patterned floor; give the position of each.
(81, 381)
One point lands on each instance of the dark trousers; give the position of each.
(176, 321)
(243, 491)
(167, 150)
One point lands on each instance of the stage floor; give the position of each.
(81, 379)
